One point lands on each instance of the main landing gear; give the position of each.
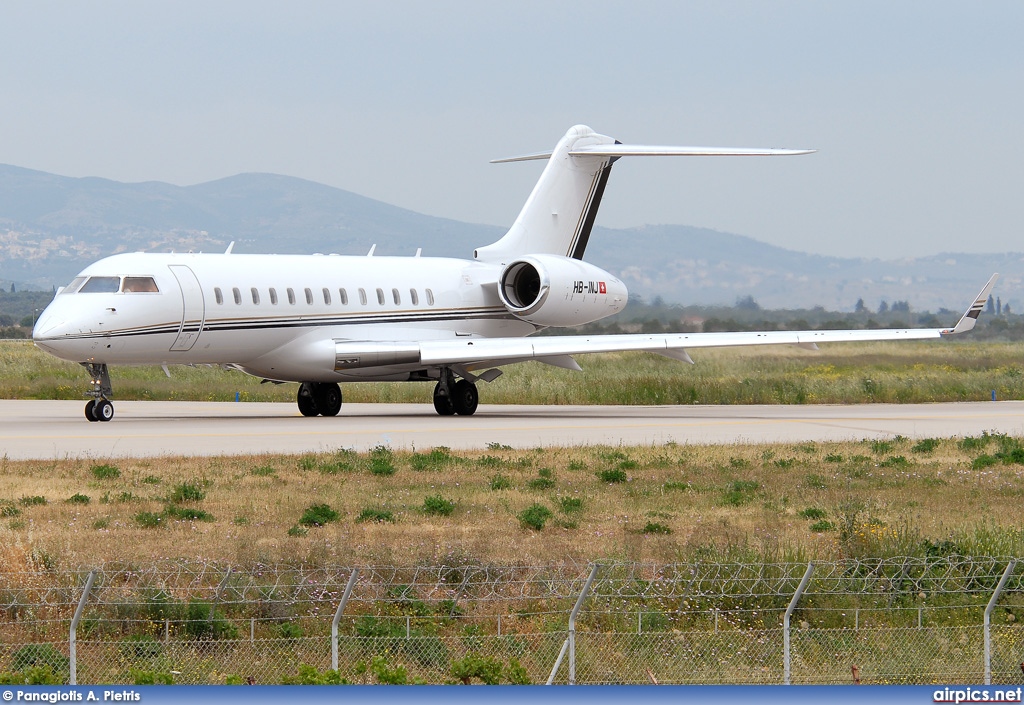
(451, 397)
(99, 408)
(319, 399)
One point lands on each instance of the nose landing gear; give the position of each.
(99, 408)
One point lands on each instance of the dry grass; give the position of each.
(734, 502)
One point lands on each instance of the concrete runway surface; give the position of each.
(58, 429)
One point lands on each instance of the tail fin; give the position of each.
(559, 214)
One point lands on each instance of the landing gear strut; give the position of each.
(319, 398)
(99, 408)
(451, 397)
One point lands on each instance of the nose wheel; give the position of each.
(100, 407)
(99, 410)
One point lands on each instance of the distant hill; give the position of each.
(52, 226)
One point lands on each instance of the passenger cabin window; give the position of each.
(237, 294)
(396, 297)
(414, 297)
(218, 295)
(430, 298)
(273, 296)
(327, 296)
(101, 285)
(255, 295)
(291, 296)
(309, 296)
(362, 296)
(380, 296)
(344, 297)
(137, 285)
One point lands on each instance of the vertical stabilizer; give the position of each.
(559, 214)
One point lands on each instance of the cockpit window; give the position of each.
(73, 286)
(101, 285)
(134, 285)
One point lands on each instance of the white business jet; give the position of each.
(323, 320)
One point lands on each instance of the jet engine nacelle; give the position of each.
(550, 290)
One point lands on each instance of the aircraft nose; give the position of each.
(48, 327)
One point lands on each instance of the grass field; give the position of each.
(944, 370)
(663, 503)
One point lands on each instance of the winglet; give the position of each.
(970, 316)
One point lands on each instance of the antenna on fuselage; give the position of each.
(230, 247)
(372, 248)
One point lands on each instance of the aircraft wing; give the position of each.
(472, 353)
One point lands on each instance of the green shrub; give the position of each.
(151, 480)
(925, 445)
(41, 656)
(983, 461)
(309, 675)
(534, 517)
(33, 675)
(105, 472)
(375, 514)
(289, 630)
(740, 492)
(612, 475)
(187, 492)
(188, 514)
(500, 482)
(654, 527)
(516, 674)
(382, 461)
(812, 513)
(895, 461)
(386, 675)
(32, 501)
(318, 515)
(822, 526)
(78, 499)
(9, 510)
(486, 668)
(541, 483)
(676, 485)
(149, 520)
(297, 531)
(264, 471)
(437, 458)
(833, 458)
(436, 505)
(570, 505)
(202, 621)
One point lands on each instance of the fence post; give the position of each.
(570, 642)
(786, 660)
(337, 617)
(73, 636)
(988, 616)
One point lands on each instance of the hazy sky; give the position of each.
(917, 108)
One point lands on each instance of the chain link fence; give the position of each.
(905, 620)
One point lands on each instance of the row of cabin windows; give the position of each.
(396, 296)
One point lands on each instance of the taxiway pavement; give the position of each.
(57, 429)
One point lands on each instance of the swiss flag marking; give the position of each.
(602, 288)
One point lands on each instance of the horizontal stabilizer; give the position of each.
(645, 150)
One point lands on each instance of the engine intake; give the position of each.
(550, 290)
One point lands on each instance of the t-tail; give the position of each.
(559, 215)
